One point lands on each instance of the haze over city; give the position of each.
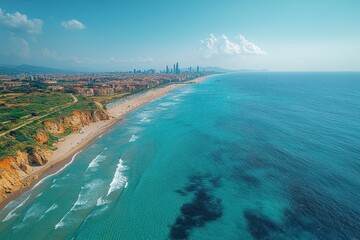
(123, 35)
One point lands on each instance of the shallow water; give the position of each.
(240, 156)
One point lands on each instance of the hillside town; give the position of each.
(96, 84)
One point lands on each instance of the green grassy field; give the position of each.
(20, 108)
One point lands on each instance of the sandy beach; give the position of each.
(77, 141)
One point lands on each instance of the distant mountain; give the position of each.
(29, 69)
(216, 69)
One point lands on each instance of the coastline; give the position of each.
(76, 142)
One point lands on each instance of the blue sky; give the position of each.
(278, 35)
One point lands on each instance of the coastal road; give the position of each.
(75, 100)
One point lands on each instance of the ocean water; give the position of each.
(239, 156)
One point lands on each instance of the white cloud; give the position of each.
(73, 24)
(222, 45)
(14, 47)
(45, 52)
(20, 22)
(50, 54)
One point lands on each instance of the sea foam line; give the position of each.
(54, 206)
(86, 195)
(61, 223)
(133, 138)
(60, 170)
(34, 211)
(119, 180)
(12, 212)
(96, 161)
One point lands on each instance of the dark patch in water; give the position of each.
(322, 216)
(204, 206)
(180, 192)
(215, 181)
(199, 181)
(238, 174)
(260, 226)
(218, 155)
(250, 180)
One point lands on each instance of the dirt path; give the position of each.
(75, 100)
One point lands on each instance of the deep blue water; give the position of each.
(239, 156)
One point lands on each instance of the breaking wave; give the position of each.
(101, 201)
(96, 161)
(54, 206)
(167, 104)
(119, 179)
(133, 138)
(87, 198)
(60, 170)
(34, 211)
(12, 213)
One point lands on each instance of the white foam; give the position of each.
(55, 185)
(188, 91)
(19, 226)
(145, 115)
(133, 138)
(42, 180)
(161, 108)
(144, 119)
(39, 195)
(119, 180)
(34, 211)
(135, 130)
(101, 201)
(61, 223)
(96, 161)
(12, 213)
(86, 198)
(167, 104)
(54, 206)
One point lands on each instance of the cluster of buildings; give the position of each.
(176, 69)
(98, 84)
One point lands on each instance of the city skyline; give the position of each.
(93, 36)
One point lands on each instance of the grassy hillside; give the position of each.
(20, 108)
(16, 109)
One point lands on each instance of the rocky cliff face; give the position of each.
(15, 170)
(54, 128)
(76, 121)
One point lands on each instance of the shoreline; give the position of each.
(76, 142)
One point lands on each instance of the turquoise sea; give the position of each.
(239, 156)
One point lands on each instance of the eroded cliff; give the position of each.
(16, 171)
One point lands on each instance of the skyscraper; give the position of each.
(177, 68)
(167, 69)
(174, 69)
(197, 69)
